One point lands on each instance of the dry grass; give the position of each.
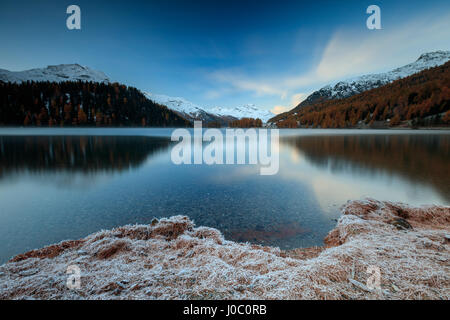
(173, 259)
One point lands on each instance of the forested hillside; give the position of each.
(76, 103)
(246, 123)
(422, 99)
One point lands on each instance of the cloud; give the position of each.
(279, 109)
(216, 93)
(295, 100)
(298, 98)
(349, 53)
(240, 82)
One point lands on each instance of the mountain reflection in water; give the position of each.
(77, 154)
(423, 159)
(66, 186)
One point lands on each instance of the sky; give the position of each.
(223, 53)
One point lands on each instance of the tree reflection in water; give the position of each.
(75, 154)
(419, 158)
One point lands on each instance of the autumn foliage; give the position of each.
(246, 123)
(73, 103)
(422, 99)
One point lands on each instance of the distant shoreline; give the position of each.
(264, 127)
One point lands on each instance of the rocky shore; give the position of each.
(378, 250)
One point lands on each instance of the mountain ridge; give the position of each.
(419, 100)
(352, 86)
(249, 110)
(185, 108)
(188, 110)
(55, 73)
(218, 114)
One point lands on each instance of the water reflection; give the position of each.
(75, 154)
(43, 202)
(421, 159)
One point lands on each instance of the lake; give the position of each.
(58, 184)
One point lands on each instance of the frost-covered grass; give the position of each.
(173, 259)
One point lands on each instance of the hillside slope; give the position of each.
(183, 108)
(186, 109)
(78, 103)
(222, 115)
(353, 86)
(422, 99)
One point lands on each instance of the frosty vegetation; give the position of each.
(173, 259)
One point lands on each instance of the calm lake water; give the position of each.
(58, 184)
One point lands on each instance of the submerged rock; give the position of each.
(173, 259)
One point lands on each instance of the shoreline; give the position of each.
(264, 126)
(174, 259)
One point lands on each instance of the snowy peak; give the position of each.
(57, 73)
(434, 57)
(195, 112)
(425, 61)
(353, 86)
(245, 111)
(187, 109)
(178, 104)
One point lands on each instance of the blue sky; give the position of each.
(223, 53)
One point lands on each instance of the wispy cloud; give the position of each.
(295, 100)
(298, 97)
(347, 53)
(279, 109)
(240, 82)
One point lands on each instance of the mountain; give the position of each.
(245, 111)
(192, 111)
(76, 103)
(57, 73)
(184, 108)
(61, 96)
(181, 106)
(353, 86)
(419, 100)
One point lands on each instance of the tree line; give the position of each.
(246, 123)
(422, 99)
(76, 103)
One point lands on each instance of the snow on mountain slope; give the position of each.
(353, 86)
(187, 109)
(58, 73)
(246, 111)
(195, 112)
(178, 104)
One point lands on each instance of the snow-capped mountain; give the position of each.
(347, 88)
(245, 111)
(180, 105)
(58, 73)
(192, 111)
(187, 109)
